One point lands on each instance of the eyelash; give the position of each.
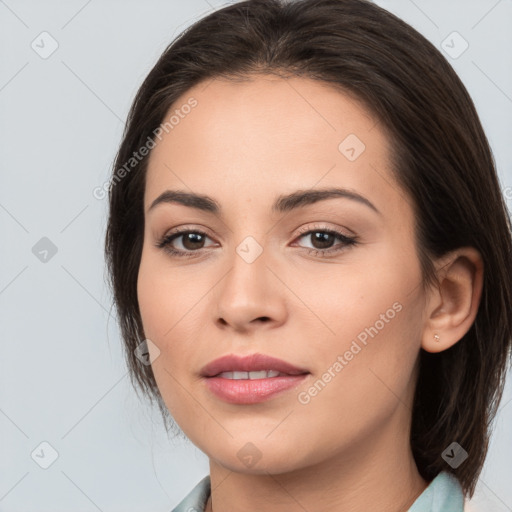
(347, 241)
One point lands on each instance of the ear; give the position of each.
(452, 303)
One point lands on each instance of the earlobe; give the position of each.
(452, 305)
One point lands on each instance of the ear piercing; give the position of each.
(436, 337)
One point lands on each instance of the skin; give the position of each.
(243, 145)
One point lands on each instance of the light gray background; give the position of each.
(63, 377)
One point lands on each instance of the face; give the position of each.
(328, 283)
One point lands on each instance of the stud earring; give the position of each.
(436, 337)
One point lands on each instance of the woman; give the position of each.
(307, 234)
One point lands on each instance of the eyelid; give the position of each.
(186, 228)
(319, 226)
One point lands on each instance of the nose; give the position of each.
(250, 296)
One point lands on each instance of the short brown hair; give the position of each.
(441, 158)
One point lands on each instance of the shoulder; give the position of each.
(195, 500)
(444, 494)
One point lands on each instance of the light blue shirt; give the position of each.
(444, 494)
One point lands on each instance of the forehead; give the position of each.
(251, 137)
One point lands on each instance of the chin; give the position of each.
(260, 457)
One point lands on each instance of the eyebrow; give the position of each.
(283, 204)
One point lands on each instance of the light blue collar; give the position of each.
(444, 494)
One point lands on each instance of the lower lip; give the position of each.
(246, 391)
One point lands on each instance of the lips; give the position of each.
(251, 363)
(251, 379)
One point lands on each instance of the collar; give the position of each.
(444, 494)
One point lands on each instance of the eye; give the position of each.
(191, 241)
(323, 239)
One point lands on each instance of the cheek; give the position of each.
(375, 297)
(167, 297)
(158, 309)
(371, 332)
(364, 376)
(171, 310)
(152, 300)
(373, 351)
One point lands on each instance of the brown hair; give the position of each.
(441, 159)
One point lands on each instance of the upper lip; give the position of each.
(253, 362)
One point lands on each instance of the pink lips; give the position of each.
(250, 391)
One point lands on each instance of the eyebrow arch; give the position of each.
(284, 203)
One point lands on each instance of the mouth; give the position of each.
(251, 379)
(256, 375)
(252, 367)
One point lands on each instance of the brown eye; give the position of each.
(184, 243)
(193, 240)
(323, 241)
